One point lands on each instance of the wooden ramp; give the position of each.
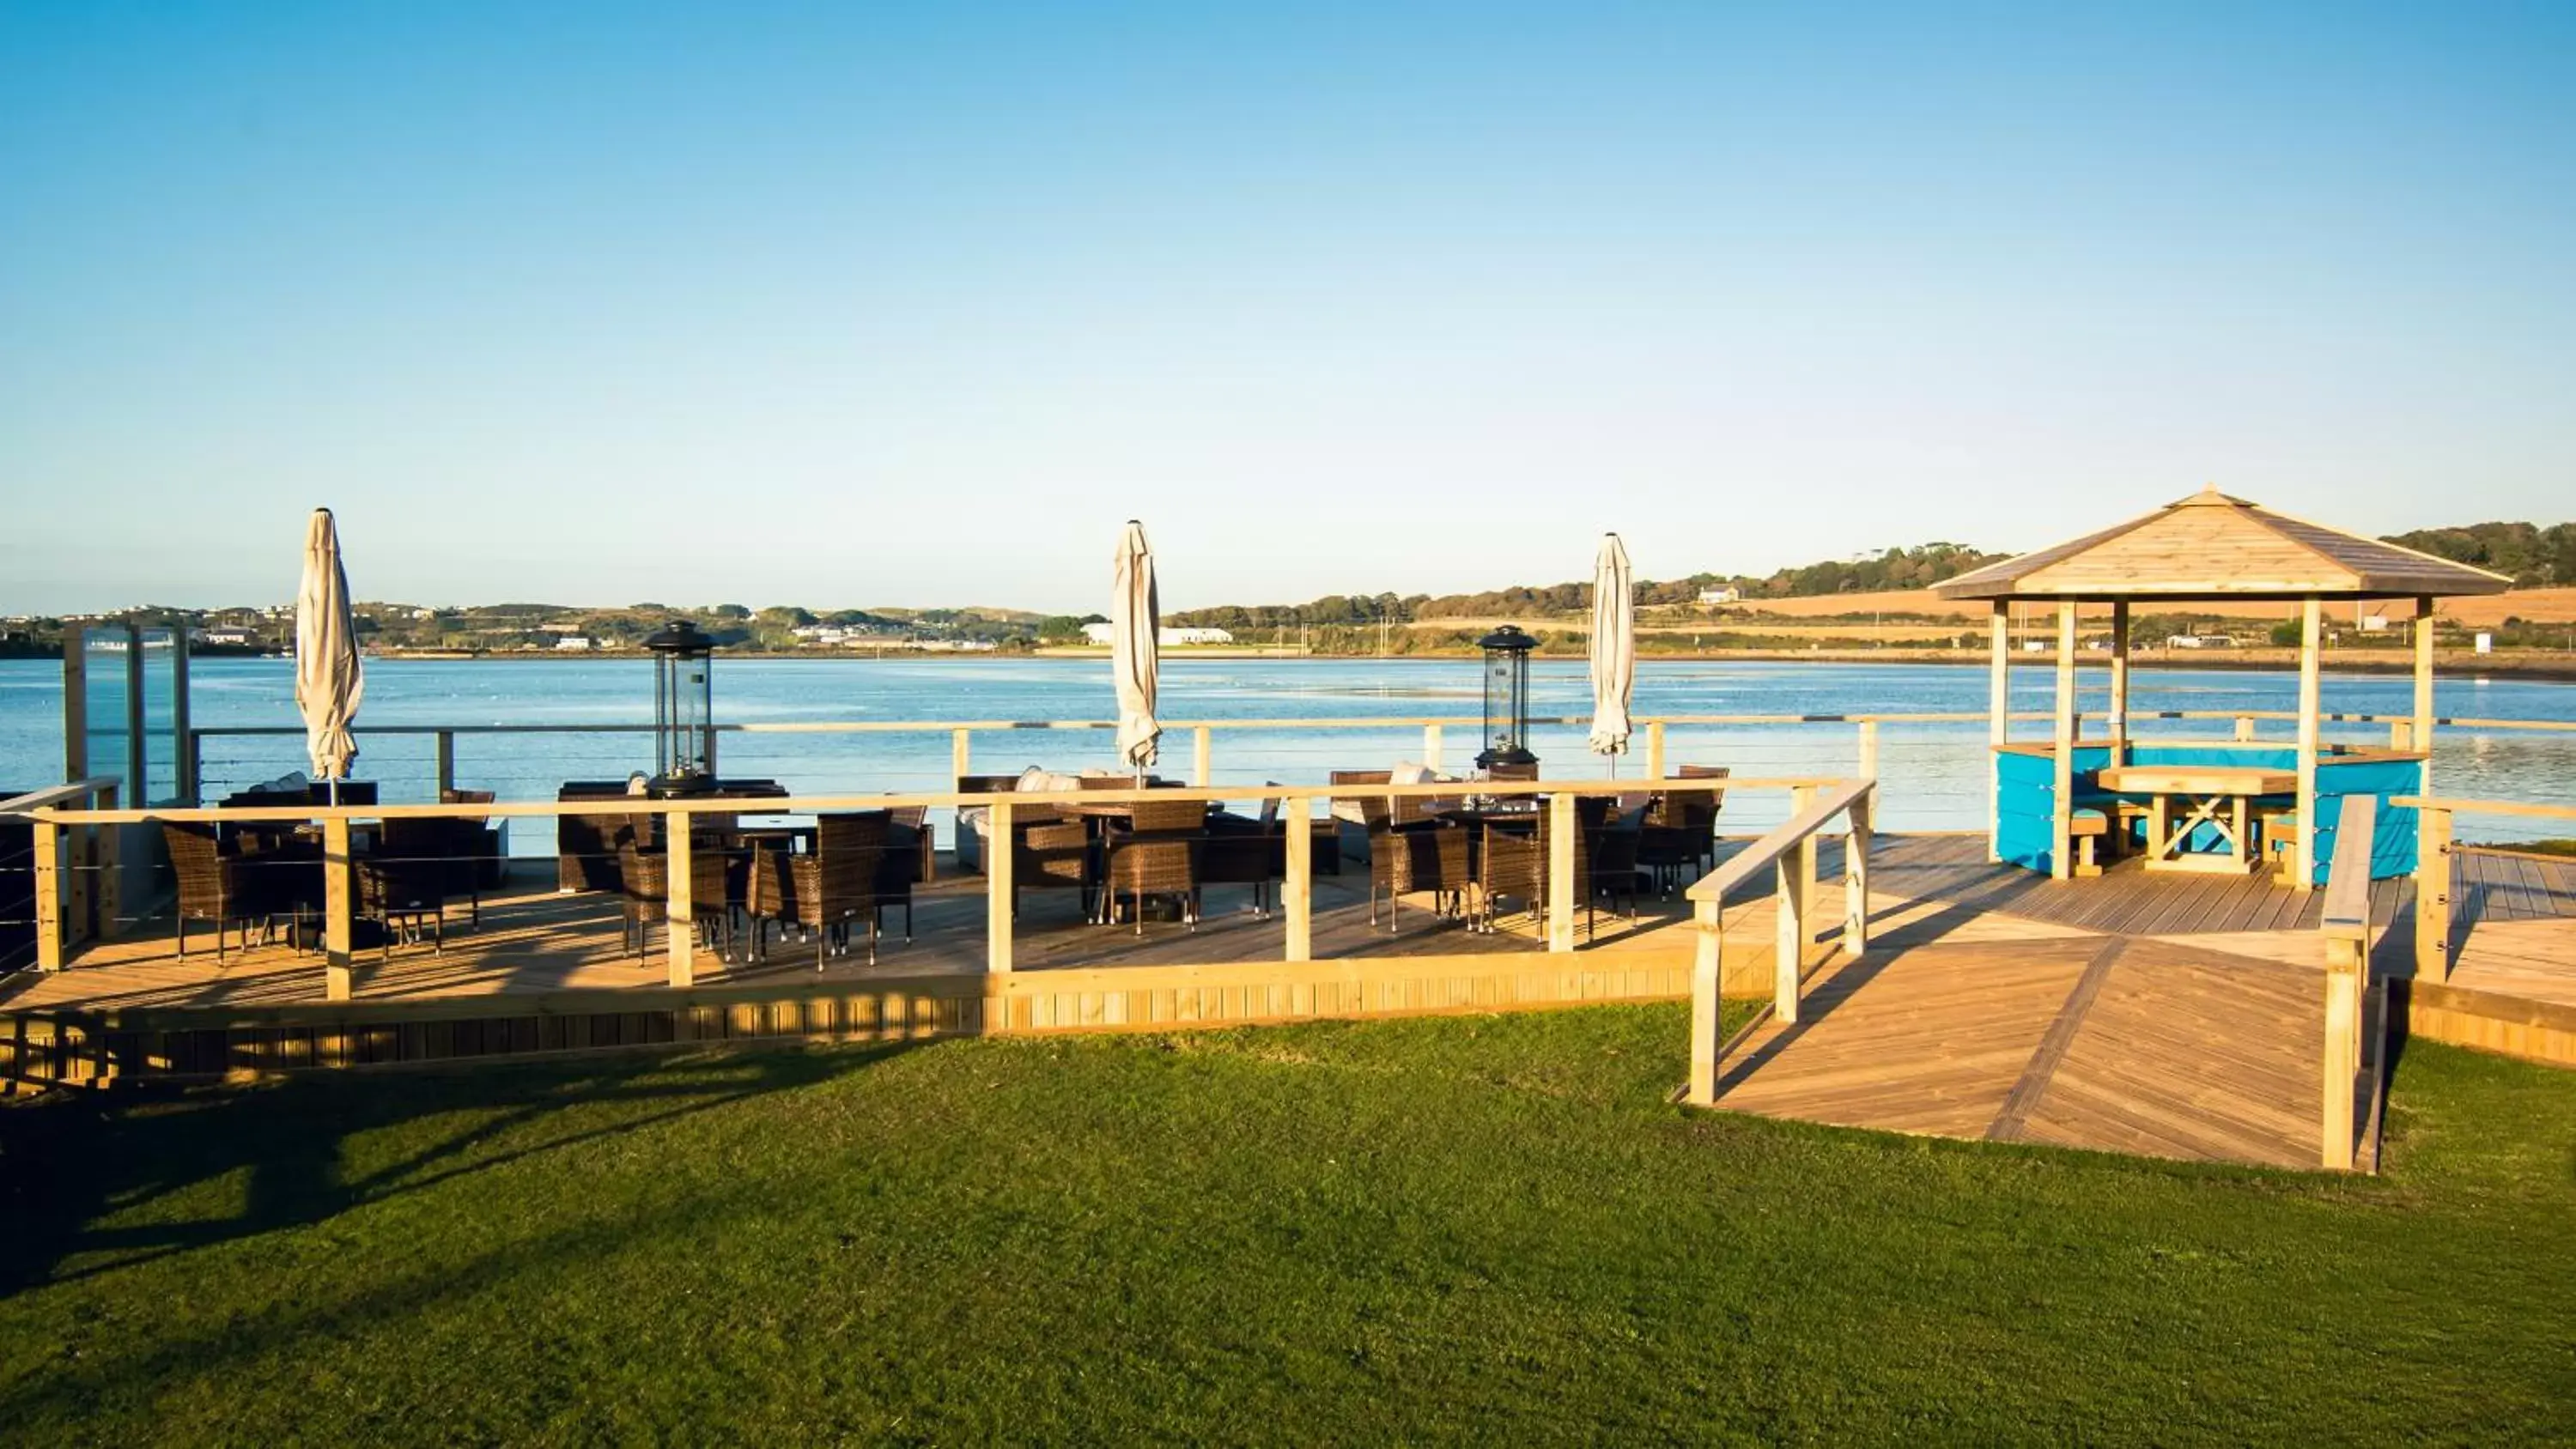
(2096, 1041)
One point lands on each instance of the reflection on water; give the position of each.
(1934, 774)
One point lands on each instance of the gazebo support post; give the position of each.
(2424, 692)
(2311, 627)
(1998, 723)
(2120, 683)
(2061, 832)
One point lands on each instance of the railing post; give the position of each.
(336, 908)
(1802, 798)
(1654, 749)
(1297, 889)
(191, 767)
(2401, 734)
(960, 758)
(1707, 969)
(2342, 1056)
(1000, 858)
(2432, 895)
(680, 938)
(1856, 878)
(1790, 937)
(1202, 747)
(1869, 749)
(2244, 727)
(49, 904)
(446, 747)
(106, 895)
(1562, 831)
(1431, 747)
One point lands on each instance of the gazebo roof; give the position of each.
(2212, 546)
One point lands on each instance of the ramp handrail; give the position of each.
(1790, 852)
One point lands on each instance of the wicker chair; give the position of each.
(1241, 851)
(1050, 850)
(216, 883)
(1513, 862)
(1156, 853)
(1680, 828)
(970, 843)
(715, 892)
(474, 850)
(824, 893)
(907, 861)
(1408, 851)
(1349, 816)
(586, 845)
(402, 883)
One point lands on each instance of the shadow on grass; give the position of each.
(70, 1162)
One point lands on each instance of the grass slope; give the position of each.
(1465, 1228)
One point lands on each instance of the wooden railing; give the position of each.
(2350, 995)
(1789, 853)
(2435, 835)
(1298, 807)
(1201, 734)
(75, 886)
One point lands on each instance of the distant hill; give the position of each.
(1895, 569)
(2532, 556)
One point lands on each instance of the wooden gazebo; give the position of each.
(2207, 549)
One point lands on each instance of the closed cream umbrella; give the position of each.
(1135, 647)
(1614, 649)
(328, 678)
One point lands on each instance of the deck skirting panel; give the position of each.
(40, 1049)
(2514, 1026)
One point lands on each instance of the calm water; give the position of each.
(1933, 773)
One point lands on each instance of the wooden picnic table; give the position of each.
(2219, 796)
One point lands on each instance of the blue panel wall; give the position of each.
(2025, 796)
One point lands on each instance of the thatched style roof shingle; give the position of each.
(2211, 546)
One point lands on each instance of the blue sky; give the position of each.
(842, 306)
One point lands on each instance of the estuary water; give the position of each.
(1933, 774)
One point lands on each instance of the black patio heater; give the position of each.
(684, 740)
(1507, 655)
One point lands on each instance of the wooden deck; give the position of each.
(2170, 1015)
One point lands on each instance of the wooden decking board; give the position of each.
(2043, 1063)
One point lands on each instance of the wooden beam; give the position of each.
(2061, 830)
(1563, 832)
(1998, 720)
(1431, 747)
(680, 935)
(2120, 682)
(2344, 914)
(1856, 878)
(1707, 961)
(1654, 749)
(1801, 800)
(2342, 1064)
(1202, 748)
(2311, 630)
(75, 704)
(337, 908)
(2423, 721)
(1789, 939)
(1297, 891)
(960, 756)
(1000, 857)
(106, 891)
(2433, 895)
(446, 762)
(1868, 745)
(49, 898)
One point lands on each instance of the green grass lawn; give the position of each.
(1453, 1229)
